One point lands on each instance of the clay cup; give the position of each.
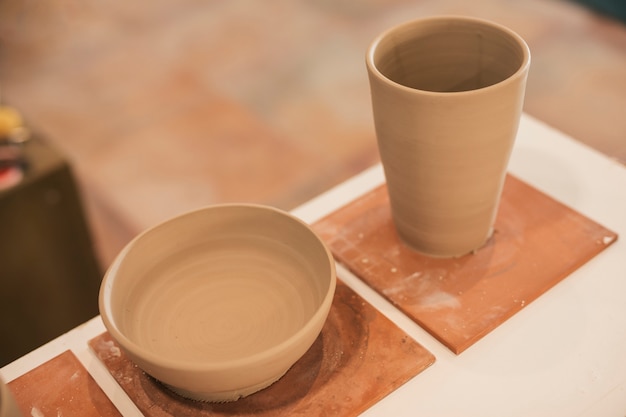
(447, 95)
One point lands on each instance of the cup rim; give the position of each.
(520, 72)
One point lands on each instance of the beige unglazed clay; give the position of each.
(219, 303)
(447, 95)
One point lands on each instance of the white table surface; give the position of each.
(562, 355)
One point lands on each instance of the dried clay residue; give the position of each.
(35, 412)
(424, 290)
(436, 300)
(608, 239)
(108, 349)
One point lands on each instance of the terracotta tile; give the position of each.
(359, 358)
(537, 243)
(68, 390)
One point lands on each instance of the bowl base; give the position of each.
(224, 396)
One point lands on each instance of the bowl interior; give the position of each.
(219, 285)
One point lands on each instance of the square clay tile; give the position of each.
(61, 387)
(359, 358)
(537, 243)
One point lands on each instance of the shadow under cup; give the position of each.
(447, 95)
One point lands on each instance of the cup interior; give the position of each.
(448, 54)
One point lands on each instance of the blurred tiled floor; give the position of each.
(166, 105)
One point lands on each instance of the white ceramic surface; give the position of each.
(220, 302)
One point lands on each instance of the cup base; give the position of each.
(435, 250)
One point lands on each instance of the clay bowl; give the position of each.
(220, 302)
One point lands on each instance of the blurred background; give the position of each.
(142, 110)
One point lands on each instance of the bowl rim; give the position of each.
(106, 311)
